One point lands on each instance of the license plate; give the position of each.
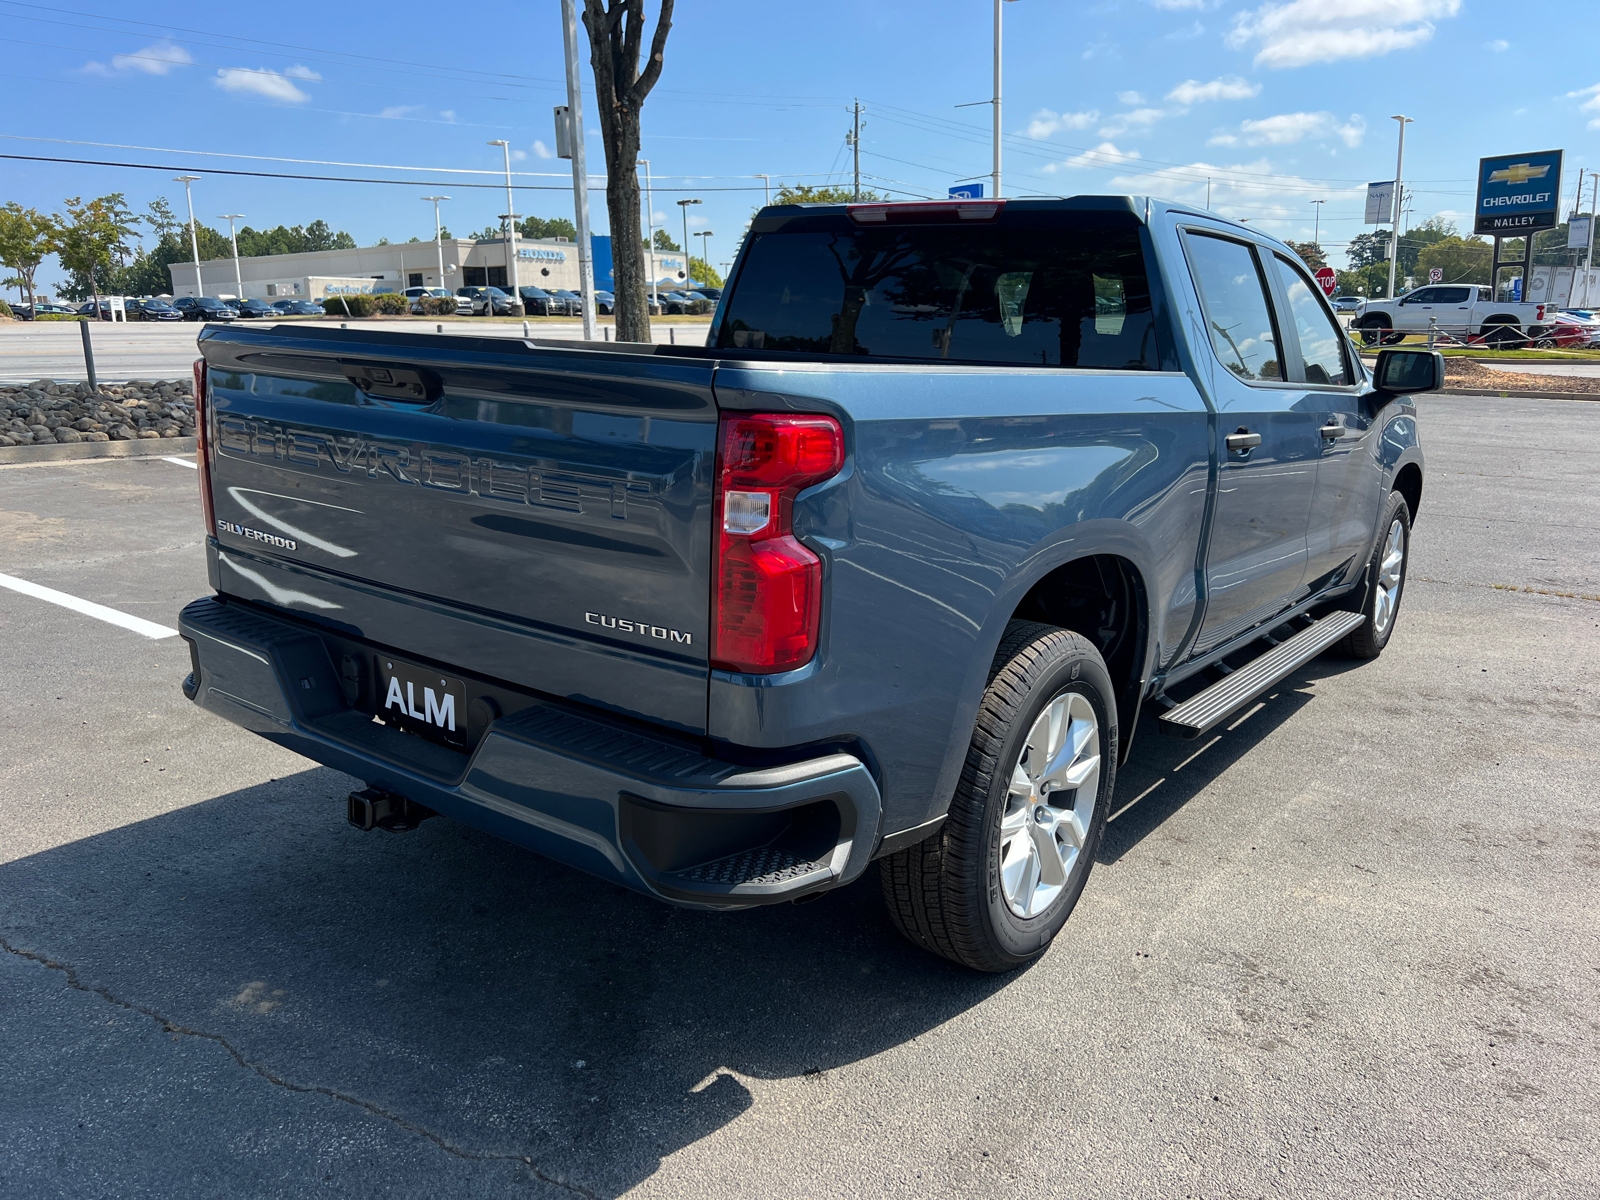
(422, 701)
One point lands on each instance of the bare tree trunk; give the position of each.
(616, 35)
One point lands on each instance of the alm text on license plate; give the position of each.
(422, 701)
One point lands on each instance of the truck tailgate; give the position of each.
(540, 516)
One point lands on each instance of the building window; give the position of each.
(272, 289)
(414, 279)
(473, 277)
(497, 277)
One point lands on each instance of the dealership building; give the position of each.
(548, 263)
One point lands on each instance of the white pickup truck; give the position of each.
(1466, 311)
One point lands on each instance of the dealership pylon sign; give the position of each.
(1518, 193)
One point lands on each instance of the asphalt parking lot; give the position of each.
(1350, 947)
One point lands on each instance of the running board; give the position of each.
(1226, 697)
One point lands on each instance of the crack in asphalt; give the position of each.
(170, 1026)
(1509, 587)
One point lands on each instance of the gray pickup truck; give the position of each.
(886, 571)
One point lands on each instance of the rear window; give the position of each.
(1065, 293)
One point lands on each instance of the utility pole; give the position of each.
(1588, 269)
(1394, 225)
(766, 179)
(238, 283)
(510, 225)
(683, 207)
(194, 241)
(438, 233)
(649, 234)
(855, 144)
(1316, 235)
(580, 177)
(1208, 193)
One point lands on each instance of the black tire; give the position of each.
(945, 893)
(1502, 336)
(1369, 638)
(1394, 339)
(1373, 330)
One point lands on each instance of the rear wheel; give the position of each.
(1374, 330)
(995, 885)
(1386, 581)
(1501, 335)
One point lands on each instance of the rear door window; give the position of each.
(1238, 315)
(1321, 340)
(1063, 293)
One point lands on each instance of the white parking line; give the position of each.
(88, 608)
(182, 462)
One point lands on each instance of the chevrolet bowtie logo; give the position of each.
(1519, 173)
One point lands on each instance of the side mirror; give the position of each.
(1403, 372)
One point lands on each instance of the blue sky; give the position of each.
(1278, 104)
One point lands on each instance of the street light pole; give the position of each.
(194, 241)
(580, 177)
(997, 97)
(511, 236)
(705, 253)
(650, 233)
(1394, 225)
(766, 179)
(683, 206)
(233, 237)
(1316, 236)
(438, 233)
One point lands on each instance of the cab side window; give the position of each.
(1322, 343)
(1238, 315)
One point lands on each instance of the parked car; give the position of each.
(154, 310)
(297, 306)
(538, 302)
(417, 294)
(1585, 322)
(491, 301)
(711, 293)
(253, 307)
(680, 303)
(88, 310)
(1346, 304)
(691, 638)
(24, 313)
(1467, 312)
(204, 308)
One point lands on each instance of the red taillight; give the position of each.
(202, 449)
(768, 595)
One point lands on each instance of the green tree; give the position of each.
(1461, 260)
(704, 272)
(1370, 281)
(26, 237)
(1365, 249)
(548, 227)
(809, 194)
(1311, 252)
(664, 242)
(94, 237)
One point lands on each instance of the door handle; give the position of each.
(1242, 440)
(1333, 431)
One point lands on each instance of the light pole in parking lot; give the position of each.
(438, 233)
(650, 235)
(1316, 229)
(511, 238)
(194, 242)
(683, 207)
(1394, 225)
(705, 252)
(233, 237)
(997, 97)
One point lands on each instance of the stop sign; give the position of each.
(1328, 281)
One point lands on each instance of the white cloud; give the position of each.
(1045, 122)
(395, 111)
(1591, 105)
(1184, 34)
(1256, 191)
(698, 222)
(1103, 155)
(158, 58)
(1499, 45)
(1129, 98)
(519, 155)
(1139, 118)
(299, 72)
(540, 150)
(264, 82)
(447, 114)
(1299, 32)
(1228, 87)
(1287, 128)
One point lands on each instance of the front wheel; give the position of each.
(995, 885)
(1386, 581)
(1374, 330)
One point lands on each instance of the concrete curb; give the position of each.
(67, 451)
(1516, 393)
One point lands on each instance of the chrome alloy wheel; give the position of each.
(1391, 575)
(1050, 805)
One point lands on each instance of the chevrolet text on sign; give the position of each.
(1518, 193)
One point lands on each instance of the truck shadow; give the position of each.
(504, 1004)
(1164, 773)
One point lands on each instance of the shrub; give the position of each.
(353, 306)
(439, 306)
(5, 310)
(392, 304)
(59, 317)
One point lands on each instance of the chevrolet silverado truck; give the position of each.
(885, 572)
(1466, 312)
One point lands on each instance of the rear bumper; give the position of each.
(650, 813)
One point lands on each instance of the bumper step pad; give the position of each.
(764, 865)
(1221, 700)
